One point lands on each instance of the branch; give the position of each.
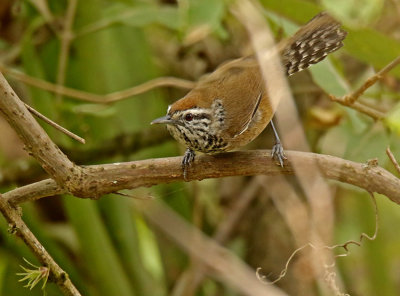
(43, 9)
(123, 145)
(36, 141)
(393, 159)
(55, 125)
(350, 100)
(65, 43)
(34, 191)
(79, 181)
(371, 81)
(108, 178)
(18, 226)
(95, 98)
(360, 107)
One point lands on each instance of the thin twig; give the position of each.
(66, 37)
(375, 114)
(350, 100)
(263, 278)
(95, 98)
(55, 125)
(148, 197)
(11, 54)
(43, 8)
(122, 146)
(393, 159)
(345, 246)
(371, 81)
(58, 89)
(104, 23)
(146, 86)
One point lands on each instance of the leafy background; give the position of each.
(107, 246)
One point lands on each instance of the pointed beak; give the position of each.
(163, 120)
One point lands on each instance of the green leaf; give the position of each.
(328, 78)
(392, 120)
(142, 16)
(355, 13)
(149, 249)
(99, 256)
(4, 262)
(41, 100)
(34, 276)
(120, 218)
(372, 47)
(206, 13)
(297, 10)
(350, 141)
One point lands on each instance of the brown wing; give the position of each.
(238, 85)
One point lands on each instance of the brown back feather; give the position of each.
(238, 83)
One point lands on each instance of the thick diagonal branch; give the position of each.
(36, 141)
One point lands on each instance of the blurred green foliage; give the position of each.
(106, 246)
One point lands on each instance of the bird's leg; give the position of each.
(187, 160)
(277, 149)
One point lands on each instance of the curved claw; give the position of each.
(278, 153)
(187, 161)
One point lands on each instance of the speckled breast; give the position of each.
(198, 140)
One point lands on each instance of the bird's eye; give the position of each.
(189, 117)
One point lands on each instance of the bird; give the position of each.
(230, 107)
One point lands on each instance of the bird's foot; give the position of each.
(187, 161)
(278, 153)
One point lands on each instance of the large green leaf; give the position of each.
(98, 255)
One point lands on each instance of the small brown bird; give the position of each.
(230, 107)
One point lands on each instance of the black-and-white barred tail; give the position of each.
(312, 43)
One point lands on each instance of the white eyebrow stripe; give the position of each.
(196, 111)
